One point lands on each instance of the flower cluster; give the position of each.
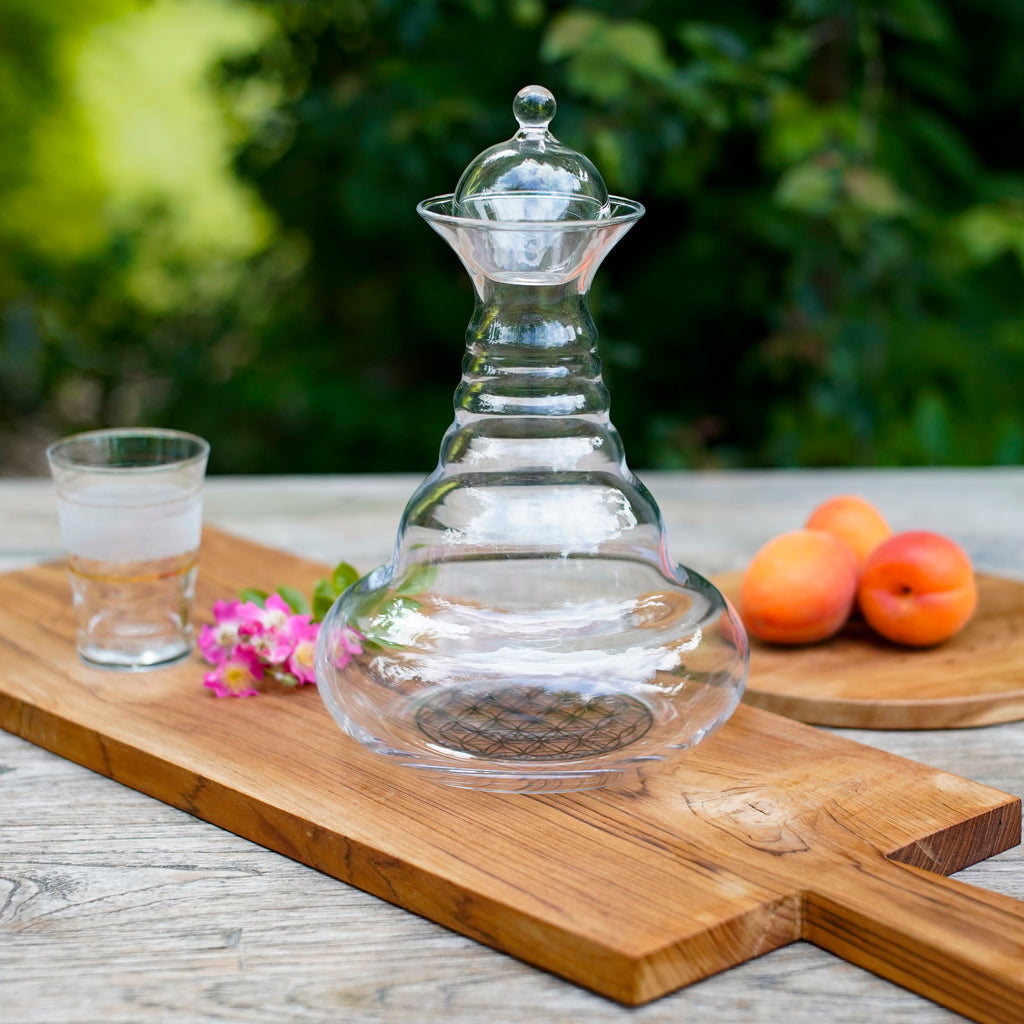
(254, 642)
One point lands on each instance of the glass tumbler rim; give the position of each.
(59, 454)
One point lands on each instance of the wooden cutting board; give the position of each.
(768, 832)
(859, 680)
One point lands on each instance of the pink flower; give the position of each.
(236, 675)
(272, 645)
(275, 612)
(301, 661)
(347, 643)
(216, 642)
(251, 643)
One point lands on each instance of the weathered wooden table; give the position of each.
(117, 908)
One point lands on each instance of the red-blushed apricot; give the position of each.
(854, 520)
(799, 588)
(917, 588)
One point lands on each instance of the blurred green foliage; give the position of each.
(207, 220)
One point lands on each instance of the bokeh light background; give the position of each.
(207, 221)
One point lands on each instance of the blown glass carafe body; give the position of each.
(531, 631)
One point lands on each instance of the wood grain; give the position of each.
(769, 832)
(858, 680)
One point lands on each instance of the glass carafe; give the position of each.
(531, 631)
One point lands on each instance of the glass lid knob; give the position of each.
(534, 107)
(532, 176)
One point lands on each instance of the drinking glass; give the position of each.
(130, 507)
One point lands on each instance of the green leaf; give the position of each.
(252, 594)
(324, 596)
(915, 19)
(988, 230)
(609, 154)
(942, 143)
(917, 71)
(322, 604)
(569, 33)
(417, 579)
(807, 188)
(295, 599)
(592, 73)
(603, 53)
(713, 42)
(788, 50)
(798, 129)
(693, 90)
(640, 47)
(527, 13)
(344, 576)
(482, 9)
(390, 613)
(874, 192)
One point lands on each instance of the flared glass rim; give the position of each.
(624, 211)
(195, 449)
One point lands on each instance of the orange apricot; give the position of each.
(917, 588)
(854, 520)
(799, 588)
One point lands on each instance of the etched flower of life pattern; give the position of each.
(530, 723)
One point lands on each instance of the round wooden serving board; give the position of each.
(858, 680)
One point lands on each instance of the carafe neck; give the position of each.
(531, 352)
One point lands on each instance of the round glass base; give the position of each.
(127, 659)
(531, 723)
(531, 675)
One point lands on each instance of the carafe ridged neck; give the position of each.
(531, 352)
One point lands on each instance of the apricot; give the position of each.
(854, 520)
(917, 588)
(799, 588)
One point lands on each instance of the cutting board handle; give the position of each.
(958, 945)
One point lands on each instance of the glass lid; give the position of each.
(532, 176)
